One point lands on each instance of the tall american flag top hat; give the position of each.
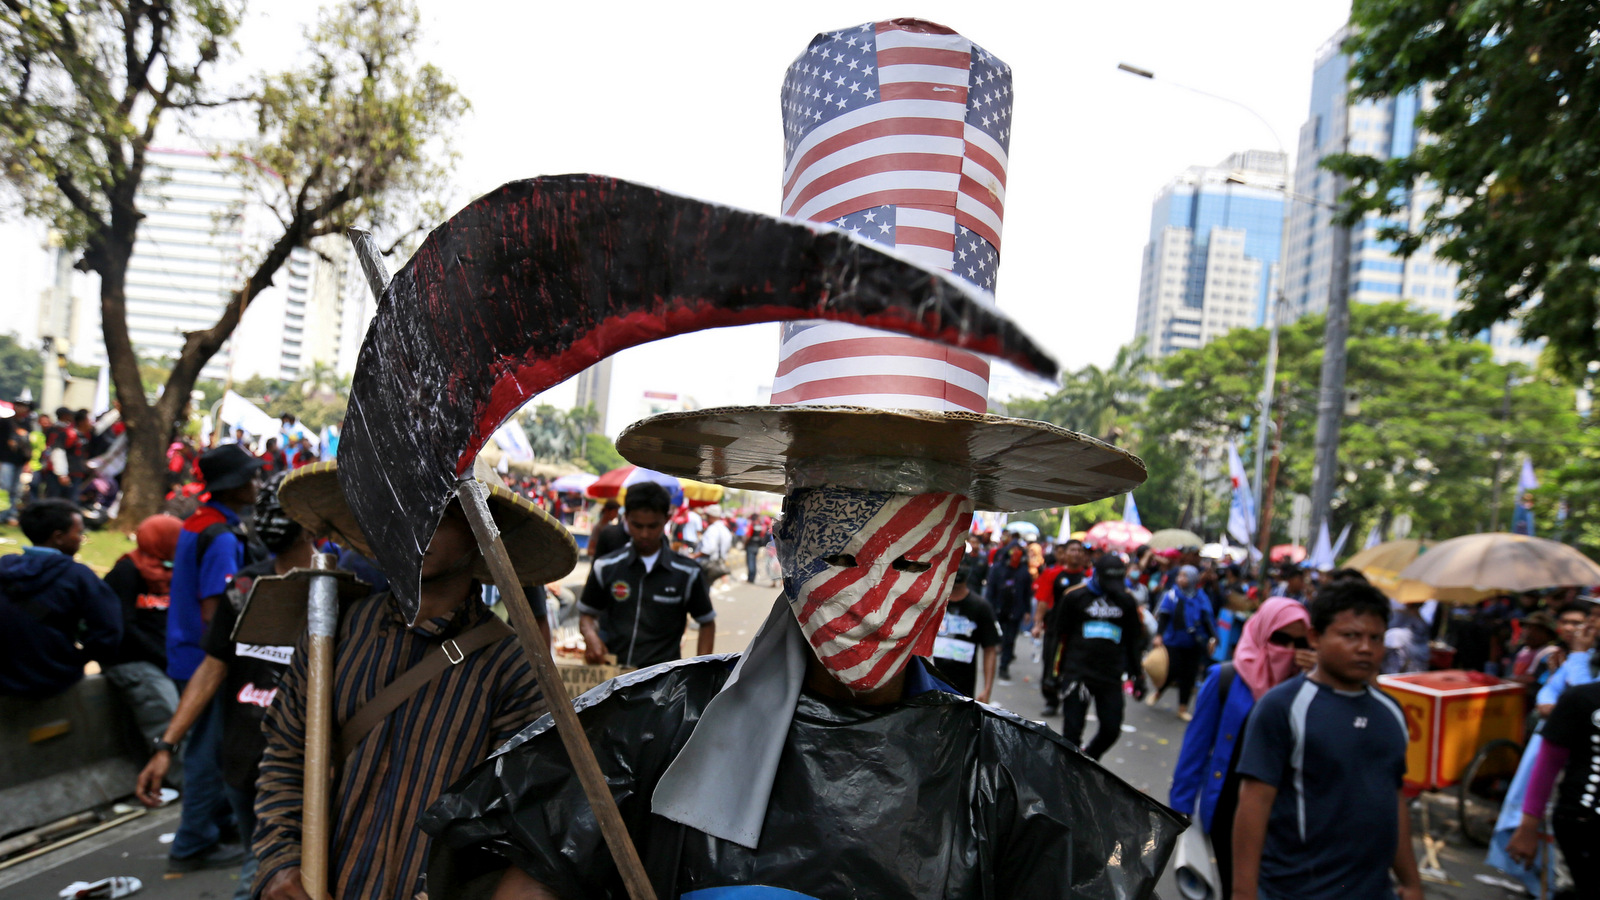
(896, 132)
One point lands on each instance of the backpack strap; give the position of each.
(1225, 676)
(433, 663)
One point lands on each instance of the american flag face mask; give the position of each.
(868, 573)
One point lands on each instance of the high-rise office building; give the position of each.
(316, 312)
(594, 389)
(189, 255)
(200, 231)
(1384, 128)
(1212, 260)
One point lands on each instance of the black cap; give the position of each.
(1110, 565)
(228, 466)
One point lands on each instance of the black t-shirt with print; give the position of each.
(1575, 725)
(248, 688)
(968, 624)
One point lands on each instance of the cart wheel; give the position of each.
(1483, 788)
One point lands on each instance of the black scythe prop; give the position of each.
(540, 279)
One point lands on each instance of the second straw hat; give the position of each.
(541, 548)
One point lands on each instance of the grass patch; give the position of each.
(101, 549)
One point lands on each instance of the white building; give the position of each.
(200, 237)
(1211, 261)
(1384, 129)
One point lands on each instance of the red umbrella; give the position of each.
(1287, 553)
(1117, 536)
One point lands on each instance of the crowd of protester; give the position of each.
(1101, 626)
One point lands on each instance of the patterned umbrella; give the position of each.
(1118, 536)
(613, 485)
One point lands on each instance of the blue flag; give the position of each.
(1130, 511)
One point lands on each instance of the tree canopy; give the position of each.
(354, 134)
(1511, 105)
(20, 368)
(1431, 415)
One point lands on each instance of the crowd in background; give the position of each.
(1212, 623)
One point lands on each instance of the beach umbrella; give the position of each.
(1175, 538)
(1117, 536)
(700, 494)
(613, 485)
(1287, 553)
(1224, 551)
(576, 483)
(1500, 562)
(1025, 529)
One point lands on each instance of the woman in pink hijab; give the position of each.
(1272, 648)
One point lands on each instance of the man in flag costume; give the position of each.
(828, 761)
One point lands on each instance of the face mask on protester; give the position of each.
(867, 574)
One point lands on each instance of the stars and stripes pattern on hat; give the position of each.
(897, 132)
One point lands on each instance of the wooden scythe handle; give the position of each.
(322, 624)
(472, 497)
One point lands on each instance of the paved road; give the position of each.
(1143, 757)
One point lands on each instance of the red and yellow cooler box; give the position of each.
(1449, 715)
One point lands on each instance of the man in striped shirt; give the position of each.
(433, 737)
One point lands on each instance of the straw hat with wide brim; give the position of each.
(1000, 463)
(541, 549)
(1155, 666)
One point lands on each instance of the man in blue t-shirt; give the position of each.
(211, 547)
(1320, 811)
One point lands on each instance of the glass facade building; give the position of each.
(1383, 128)
(1211, 262)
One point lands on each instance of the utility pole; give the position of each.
(1500, 457)
(1330, 393)
(1264, 534)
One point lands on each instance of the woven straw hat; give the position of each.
(1000, 463)
(541, 548)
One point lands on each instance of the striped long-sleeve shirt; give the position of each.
(404, 763)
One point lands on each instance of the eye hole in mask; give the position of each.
(841, 560)
(905, 565)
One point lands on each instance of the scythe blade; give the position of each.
(540, 279)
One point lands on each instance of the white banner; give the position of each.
(1242, 512)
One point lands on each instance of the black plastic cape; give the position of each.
(935, 796)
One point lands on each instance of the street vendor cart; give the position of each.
(1466, 731)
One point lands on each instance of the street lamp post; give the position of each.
(1274, 315)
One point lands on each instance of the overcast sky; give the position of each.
(685, 96)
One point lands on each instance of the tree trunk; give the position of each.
(144, 481)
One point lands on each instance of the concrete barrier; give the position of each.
(64, 755)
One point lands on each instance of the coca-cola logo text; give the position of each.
(257, 696)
